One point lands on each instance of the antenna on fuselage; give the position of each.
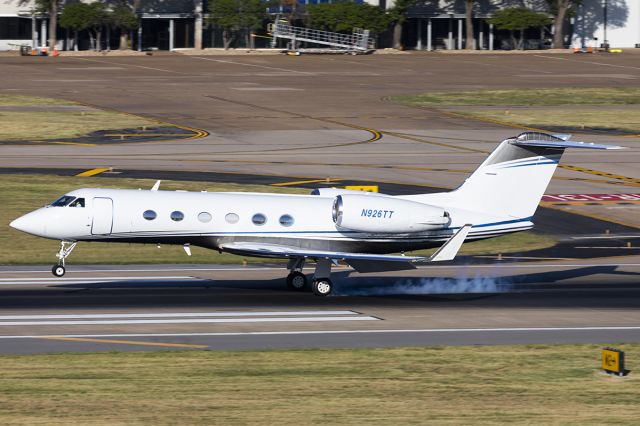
(156, 185)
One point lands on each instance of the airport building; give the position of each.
(430, 25)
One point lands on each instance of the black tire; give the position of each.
(58, 270)
(322, 287)
(296, 281)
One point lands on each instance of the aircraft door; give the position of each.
(102, 216)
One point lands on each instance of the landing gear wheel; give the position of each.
(322, 287)
(296, 281)
(58, 270)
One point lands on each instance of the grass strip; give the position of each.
(526, 97)
(36, 125)
(534, 384)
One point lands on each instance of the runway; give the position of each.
(176, 307)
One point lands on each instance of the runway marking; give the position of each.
(93, 172)
(300, 182)
(320, 332)
(127, 65)
(253, 65)
(99, 280)
(254, 268)
(127, 342)
(178, 314)
(192, 321)
(266, 89)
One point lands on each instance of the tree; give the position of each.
(345, 16)
(236, 15)
(518, 19)
(560, 10)
(49, 7)
(74, 17)
(123, 19)
(398, 17)
(468, 12)
(86, 16)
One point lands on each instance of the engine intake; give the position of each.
(386, 215)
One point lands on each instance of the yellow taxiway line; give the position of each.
(93, 172)
(300, 182)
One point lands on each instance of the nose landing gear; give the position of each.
(66, 248)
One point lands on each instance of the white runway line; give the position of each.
(191, 321)
(176, 315)
(317, 332)
(94, 280)
(253, 65)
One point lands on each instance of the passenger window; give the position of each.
(259, 219)
(204, 217)
(177, 216)
(232, 218)
(63, 201)
(286, 220)
(79, 202)
(149, 215)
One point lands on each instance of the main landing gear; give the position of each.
(321, 284)
(65, 250)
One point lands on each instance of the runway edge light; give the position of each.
(613, 362)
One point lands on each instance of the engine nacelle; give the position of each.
(332, 192)
(382, 215)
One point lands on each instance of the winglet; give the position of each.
(156, 185)
(449, 249)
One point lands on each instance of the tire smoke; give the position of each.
(424, 286)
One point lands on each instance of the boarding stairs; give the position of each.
(357, 42)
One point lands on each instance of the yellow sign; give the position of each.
(612, 360)
(367, 188)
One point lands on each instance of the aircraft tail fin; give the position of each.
(516, 174)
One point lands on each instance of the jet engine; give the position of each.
(381, 215)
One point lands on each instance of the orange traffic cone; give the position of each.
(55, 52)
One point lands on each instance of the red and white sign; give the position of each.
(590, 197)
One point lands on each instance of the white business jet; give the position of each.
(328, 226)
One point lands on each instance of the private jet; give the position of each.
(328, 226)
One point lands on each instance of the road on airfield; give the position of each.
(234, 307)
(311, 118)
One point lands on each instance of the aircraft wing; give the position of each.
(361, 262)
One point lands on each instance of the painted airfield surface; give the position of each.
(310, 118)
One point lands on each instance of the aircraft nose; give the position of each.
(30, 223)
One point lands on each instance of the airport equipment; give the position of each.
(357, 42)
(613, 362)
(359, 228)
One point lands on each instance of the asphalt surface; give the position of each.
(233, 307)
(324, 117)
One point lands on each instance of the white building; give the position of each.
(432, 24)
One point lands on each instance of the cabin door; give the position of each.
(102, 216)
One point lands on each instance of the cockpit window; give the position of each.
(79, 202)
(65, 200)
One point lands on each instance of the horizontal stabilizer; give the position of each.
(562, 144)
(449, 250)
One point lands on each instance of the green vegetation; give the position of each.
(23, 193)
(22, 101)
(345, 16)
(527, 97)
(235, 16)
(525, 107)
(563, 119)
(535, 384)
(518, 19)
(39, 125)
(38, 119)
(512, 243)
